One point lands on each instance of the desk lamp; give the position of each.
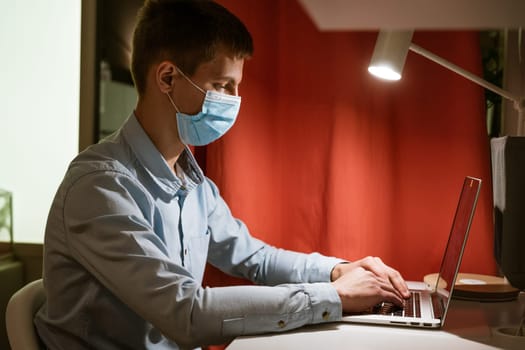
(389, 57)
(508, 153)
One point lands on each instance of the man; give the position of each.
(135, 220)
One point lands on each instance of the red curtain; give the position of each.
(326, 158)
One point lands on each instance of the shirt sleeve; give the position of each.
(114, 240)
(236, 252)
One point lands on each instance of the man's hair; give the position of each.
(187, 32)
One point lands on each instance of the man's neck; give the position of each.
(161, 129)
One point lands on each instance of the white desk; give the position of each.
(469, 325)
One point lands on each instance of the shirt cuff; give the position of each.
(324, 268)
(325, 302)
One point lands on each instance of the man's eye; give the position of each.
(219, 87)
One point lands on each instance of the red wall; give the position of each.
(326, 158)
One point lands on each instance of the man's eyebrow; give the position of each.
(225, 77)
(228, 78)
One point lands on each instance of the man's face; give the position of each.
(222, 74)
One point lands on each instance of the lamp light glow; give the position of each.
(384, 72)
(390, 53)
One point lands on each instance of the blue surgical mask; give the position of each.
(218, 114)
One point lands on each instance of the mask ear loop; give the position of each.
(172, 103)
(191, 81)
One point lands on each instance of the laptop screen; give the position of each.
(458, 237)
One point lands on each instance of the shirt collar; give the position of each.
(151, 159)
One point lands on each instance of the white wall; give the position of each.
(39, 100)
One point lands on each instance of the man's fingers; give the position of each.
(379, 268)
(399, 283)
(391, 294)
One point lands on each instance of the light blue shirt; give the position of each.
(126, 245)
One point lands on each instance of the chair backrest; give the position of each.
(19, 316)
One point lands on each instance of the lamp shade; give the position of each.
(390, 53)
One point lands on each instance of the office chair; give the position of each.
(19, 314)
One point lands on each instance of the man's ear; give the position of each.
(165, 76)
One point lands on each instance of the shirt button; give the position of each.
(281, 324)
(185, 251)
(326, 315)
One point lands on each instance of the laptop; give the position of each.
(428, 305)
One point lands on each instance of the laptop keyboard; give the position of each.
(412, 307)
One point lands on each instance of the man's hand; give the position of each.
(367, 282)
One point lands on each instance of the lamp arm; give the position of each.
(518, 102)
